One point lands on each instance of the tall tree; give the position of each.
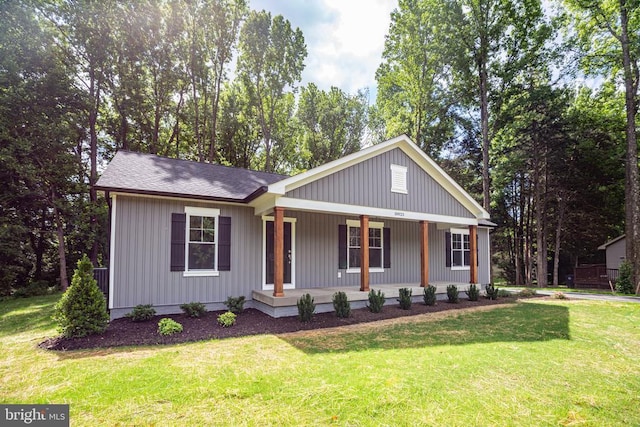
(270, 65)
(610, 36)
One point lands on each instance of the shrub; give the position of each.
(376, 301)
(473, 293)
(168, 326)
(503, 293)
(82, 310)
(558, 295)
(341, 305)
(33, 289)
(142, 313)
(491, 291)
(527, 293)
(227, 319)
(193, 309)
(405, 298)
(452, 293)
(306, 307)
(624, 284)
(235, 305)
(429, 295)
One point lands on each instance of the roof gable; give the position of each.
(140, 173)
(402, 143)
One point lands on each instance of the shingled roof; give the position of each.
(138, 173)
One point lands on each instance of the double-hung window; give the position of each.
(460, 249)
(201, 253)
(354, 241)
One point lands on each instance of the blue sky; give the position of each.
(344, 38)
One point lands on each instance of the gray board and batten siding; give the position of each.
(368, 183)
(141, 264)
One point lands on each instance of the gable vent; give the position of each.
(399, 179)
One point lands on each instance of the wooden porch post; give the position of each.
(364, 253)
(278, 252)
(473, 258)
(424, 253)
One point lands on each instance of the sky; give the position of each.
(344, 39)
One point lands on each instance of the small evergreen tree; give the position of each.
(82, 310)
(624, 284)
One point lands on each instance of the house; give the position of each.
(386, 216)
(615, 252)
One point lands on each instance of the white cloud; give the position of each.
(345, 38)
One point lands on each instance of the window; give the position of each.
(460, 249)
(202, 241)
(375, 246)
(399, 179)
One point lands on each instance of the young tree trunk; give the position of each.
(562, 203)
(64, 281)
(484, 123)
(95, 85)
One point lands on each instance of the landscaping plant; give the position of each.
(341, 304)
(452, 293)
(306, 307)
(429, 295)
(491, 291)
(473, 293)
(235, 304)
(624, 284)
(526, 293)
(82, 310)
(503, 293)
(141, 313)
(193, 309)
(168, 326)
(405, 298)
(376, 301)
(227, 319)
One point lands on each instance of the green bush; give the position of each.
(235, 304)
(193, 309)
(376, 301)
(405, 298)
(168, 326)
(82, 310)
(473, 293)
(429, 295)
(452, 293)
(227, 319)
(141, 313)
(306, 307)
(624, 284)
(33, 289)
(491, 291)
(341, 305)
(503, 293)
(527, 293)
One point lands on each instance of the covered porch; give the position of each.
(286, 305)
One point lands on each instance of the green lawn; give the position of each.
(534, 363)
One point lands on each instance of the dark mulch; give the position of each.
(124, 332)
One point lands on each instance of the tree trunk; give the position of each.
(64, 281)
(562, 203)
(484, 123)
(95, 85)
(632, 209)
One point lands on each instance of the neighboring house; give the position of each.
(183, 231)
(615, 251)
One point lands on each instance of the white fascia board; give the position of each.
(112, 250)
(184, 200)
(263, 204)
(337, 208)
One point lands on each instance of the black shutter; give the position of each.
(178, 224)
(477, 250)
(342, 246)
(224, 243)
(447, 246)
(386, 239)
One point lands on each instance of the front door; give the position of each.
(270, 256)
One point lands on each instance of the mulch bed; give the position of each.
(125, 332)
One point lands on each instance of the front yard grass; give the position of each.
(536, 362)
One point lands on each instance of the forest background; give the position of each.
(493, 90)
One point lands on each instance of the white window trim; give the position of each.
(399, 185)
(197, 211)
(380, 225)
(463, 232)
(269, 286)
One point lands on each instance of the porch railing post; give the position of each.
(278, 252)
(364, 253)
(424, 253)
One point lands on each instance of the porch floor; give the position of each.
(325, 295)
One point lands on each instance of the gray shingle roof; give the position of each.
(150, 174)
